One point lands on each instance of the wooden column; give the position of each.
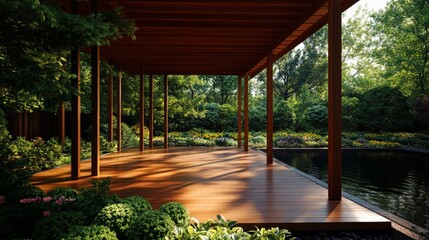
(165, 111)
(334, 100)
(150, 112)
(75, 105)
(119, 112)
(95, 103)
(25, 127)
(110, 108)
(61, 122)
(20, 131)
(270, 122)
(246, 113)
(142, 111)
(239, 127)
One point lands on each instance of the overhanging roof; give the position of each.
(228, 37)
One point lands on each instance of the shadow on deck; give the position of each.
(226, 181)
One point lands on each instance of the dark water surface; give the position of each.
(394, 180)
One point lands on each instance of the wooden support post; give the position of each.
(61, 122)
(75, 102)
(20, 124)
(25, 127)
(95, 103)
(142, 110)
(239, 127)
(119, 112)
(270, 123)
(150, 112)
(246, 113)
(165, 111)
(110, 108)
(334, 100)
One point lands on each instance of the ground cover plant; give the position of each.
(64, 213)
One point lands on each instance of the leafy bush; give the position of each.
(118, 217)
(92, 199)
(139, 204)
(22, 158)
(56, 225)
(24, 191)
(288, 142)
(153, 225)
(62, 192)
(93, 232)
(384, 109)
(177, 212)
(284, 117)
(258, 140)
(316, 117)
(273, 233)
(224, 141)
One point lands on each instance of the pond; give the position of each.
(394, 180)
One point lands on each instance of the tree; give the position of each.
(384, 109)
(402, 31)
(35, 39)
(302, 66)
(222, 88)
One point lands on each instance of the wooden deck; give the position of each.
(227, 181)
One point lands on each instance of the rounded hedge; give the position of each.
(153, 225)
(90, 232)
(118, 217)
(62, 192)
(140, 204)
(177, 212)
(56, 225)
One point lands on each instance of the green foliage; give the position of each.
(35, 39)
(288, 142)
(402, 35)
(56, 225)
(62, 192)
(153, 225)
(316, 117)
(23, 191)
(350, 111)
(284, 117)
(93, 232)
(139, 204)
(22, 158)
(421, 111)
(118, 217)
(92, 199)
(225, 141)
(177, 212)
(18, 219)
(384, 109)
(223, 117)
(270, 234)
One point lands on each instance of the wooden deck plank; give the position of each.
(227, 181)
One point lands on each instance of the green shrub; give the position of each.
(24, 191)
(284, 117)
(288, 142)
(225, 141)
(63, 192)
(153, 225)
(177, 212)
(93, 232)
(258, 140)
(272, 234)
(316, 117)
(92, 199)
(56, 225)
(106, 146)
(139, 204)
(118, 217)
(384, 109)
(17, 220)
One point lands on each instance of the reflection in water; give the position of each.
(396, 181)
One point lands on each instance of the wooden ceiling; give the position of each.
(205, 37)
